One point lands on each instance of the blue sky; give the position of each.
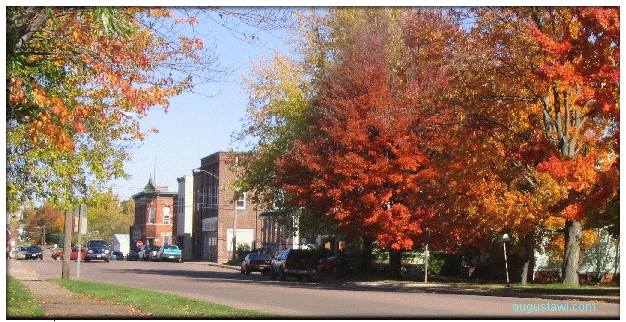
(196, 126)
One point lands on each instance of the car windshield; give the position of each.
(174, 247)
(97, 243)
(34, 248)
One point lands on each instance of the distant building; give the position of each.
(154, 216)
(184, 216)
(216, 217)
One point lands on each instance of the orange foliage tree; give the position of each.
(544, 88)
(365, 161)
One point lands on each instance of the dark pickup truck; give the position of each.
(300, 263)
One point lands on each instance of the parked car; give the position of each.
(97, 249)
(132, 256)
(147, 252)
(73, 254)
(20, 253)
(33, 252)
(300, 263)
(169, 253)
(340, 264)
(256, 263)
(116, 255)
(331, 265)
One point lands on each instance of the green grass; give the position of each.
(159, 305)
(20, 302)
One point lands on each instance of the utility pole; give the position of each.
(81, 215)
(428, 234)
(235, 217)
(43, 237)
(235, 227)
(67, 241)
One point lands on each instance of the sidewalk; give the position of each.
(58, 302)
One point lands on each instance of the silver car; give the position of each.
(20, 253)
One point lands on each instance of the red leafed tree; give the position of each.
(365, 161)
(548, 90)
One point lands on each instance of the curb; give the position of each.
(450, 289)
(453, 289)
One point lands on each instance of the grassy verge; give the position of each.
(20, 302)
(159, 305)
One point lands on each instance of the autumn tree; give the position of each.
(79, 79)
(365, 161)
(544, 87)
(45, 219)
(109, 215)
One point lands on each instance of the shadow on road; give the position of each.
(327, 283)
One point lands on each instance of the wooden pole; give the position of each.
(67, 245)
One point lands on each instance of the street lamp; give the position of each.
(505, 238)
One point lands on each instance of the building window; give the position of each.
(166, 239)
(209, 224)
(207, 198)
(152, 214)
(181, 206)
(241, 202)
(167, 214)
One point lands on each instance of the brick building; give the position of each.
(154, 216)
(215, 214)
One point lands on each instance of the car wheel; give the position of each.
(272, 275)
(282, 274)
(247, 271)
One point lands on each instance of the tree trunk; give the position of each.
(529, 258)
(573, 234)
(395, 264)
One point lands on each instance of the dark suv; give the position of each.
(97, 249)
(300, 263)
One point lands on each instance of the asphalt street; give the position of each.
(318, 299)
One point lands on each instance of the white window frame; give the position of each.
(152, 214)
(242, 201)
(167, 216)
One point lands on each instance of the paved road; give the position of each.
(296, 299)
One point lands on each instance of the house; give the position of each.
(219, 221)
(154, 212)
(276, 236)
(184, 216)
